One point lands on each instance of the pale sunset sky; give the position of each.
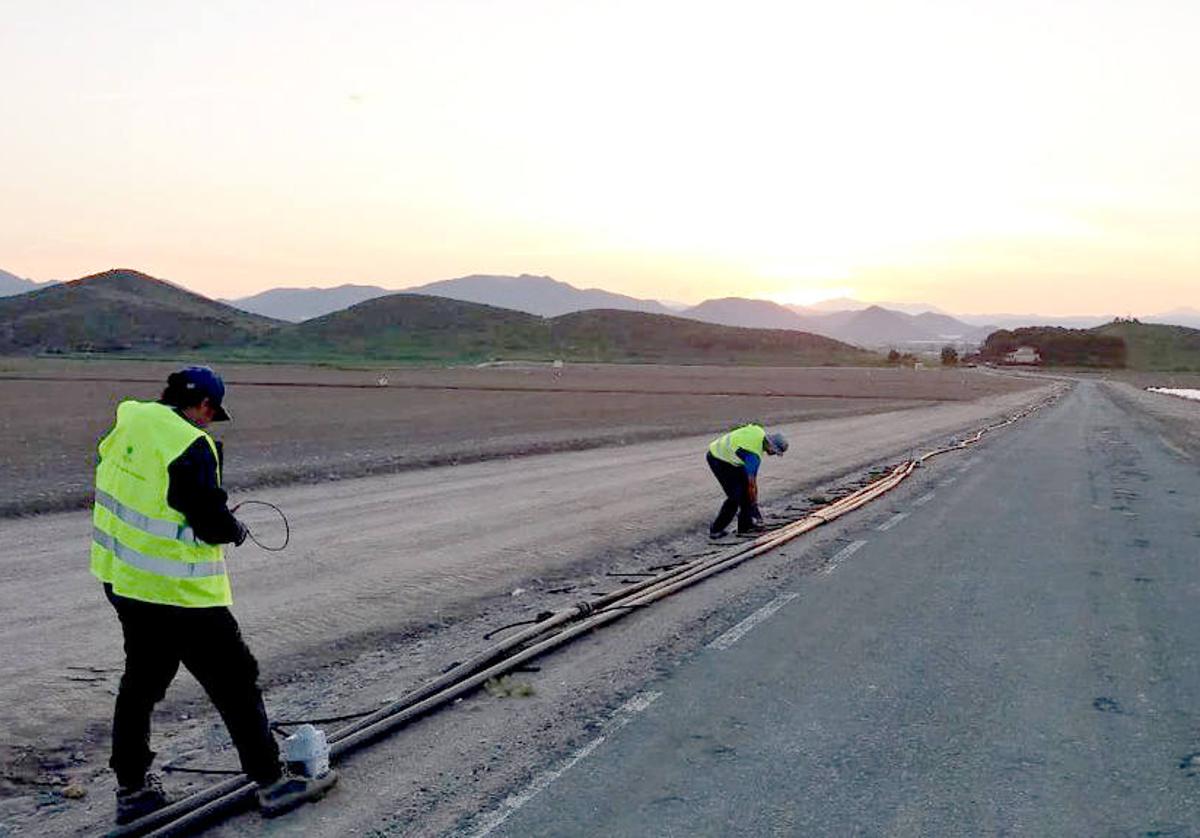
(980, 156)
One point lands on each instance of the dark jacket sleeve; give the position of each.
(194, 492)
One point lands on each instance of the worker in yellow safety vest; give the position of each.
(734, 459)
(159, 520)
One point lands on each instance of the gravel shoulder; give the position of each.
(1175, 420)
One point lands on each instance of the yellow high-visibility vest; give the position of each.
(140, 545)
(750, 437)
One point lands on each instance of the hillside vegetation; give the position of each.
(1059, 347)
(124, 311)
(633, 336)
(121, 310)
(1121, 344)
(1152, 346)
(411, 327)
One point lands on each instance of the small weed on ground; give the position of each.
(506, 687)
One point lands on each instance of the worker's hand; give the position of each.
(243, 532)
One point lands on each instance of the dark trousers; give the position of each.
(736, 483)
(208, 642)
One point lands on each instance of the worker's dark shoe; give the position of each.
(753, 529)
(717, 535)
(291, 790)
(137, 802)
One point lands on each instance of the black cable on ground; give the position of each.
(287, 530)
(540, 618)
(180, 769)
(345, 717)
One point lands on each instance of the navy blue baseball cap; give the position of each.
(208, 384)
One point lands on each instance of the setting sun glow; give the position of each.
(978, 156)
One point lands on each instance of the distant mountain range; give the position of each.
(11, 284)
(424, 327)
(904, 325)
(297, 304)
(870, 326)
(124, 311)
(863, 325)
(538, 295)
(848, 304)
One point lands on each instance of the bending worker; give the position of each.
(159, 519)
(734, 459)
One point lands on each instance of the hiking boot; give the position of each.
(291, 790)
(137, 802)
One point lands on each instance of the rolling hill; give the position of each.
(411, 327)
(1152, 346)
(747, 313)
(121, 310)
(634, 336)
(876, 326)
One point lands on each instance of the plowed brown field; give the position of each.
(310, 424)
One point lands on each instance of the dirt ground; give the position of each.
(1176, 419)
(391, 577)
(312, 424)
(1142, 380)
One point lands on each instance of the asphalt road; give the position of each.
(1007, 646)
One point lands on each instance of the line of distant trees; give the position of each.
(1058, 346)
(907, 359)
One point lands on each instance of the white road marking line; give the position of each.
(924, 499)
(949, 481)
(743, 628)
(843, 554)
(891, 522)
(512, 803)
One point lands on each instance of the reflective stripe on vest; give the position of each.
(160, 567)
(748, 437)
(152, 526)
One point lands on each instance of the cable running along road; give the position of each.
(233, 795)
